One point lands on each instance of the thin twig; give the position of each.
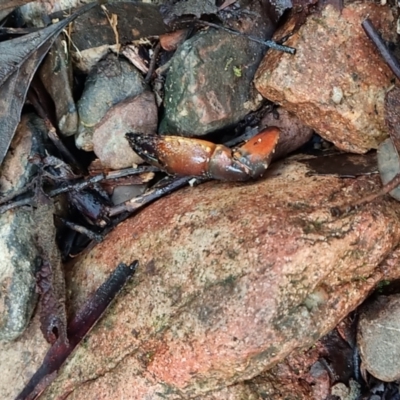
(269, 43)
(72, 186)
(10, 196)
(81, 229)
(387, 188)
(389, 58)
(76, 186)
(15, 204)
(153, 61)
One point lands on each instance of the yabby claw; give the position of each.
(195, 157)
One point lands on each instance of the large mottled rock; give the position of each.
(338, 85)
(232, 278)
(110, 82)
(378, 338)
(18, 253)
(208, 86)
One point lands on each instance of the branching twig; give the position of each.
(72, 186)
(81, 229)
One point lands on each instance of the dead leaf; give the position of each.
(19, 59)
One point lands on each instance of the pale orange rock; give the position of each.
(232, 278)
(336, 82)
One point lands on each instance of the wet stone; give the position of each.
(209, 83)
(226, 273)
(137, 114)
(19, 257)
(110, 82)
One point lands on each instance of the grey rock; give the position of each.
(388, 164)
(111, 81)
(378, 338)
(18, 252)
(136, 114)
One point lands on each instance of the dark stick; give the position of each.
(81, 229)
(78, 328)
(9, 197)
(152, 65)
(140, 201)
(72, 186)
(389, 58)
(15, 204)
(269, 43)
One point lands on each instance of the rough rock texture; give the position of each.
(208, 85)
(20, 359)
(293, 133)
(112, 81)
(337, 84)
(138, 114)
(232, 278)
(56, 76)
(18, 254)
(378, 338)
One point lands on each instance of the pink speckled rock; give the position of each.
(232, 278)
(337, 83)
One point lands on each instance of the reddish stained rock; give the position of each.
(337, 84)
(232, 278)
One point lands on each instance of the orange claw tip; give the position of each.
(257, 153)
(262, 145)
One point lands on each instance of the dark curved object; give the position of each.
(389, 58)
(78, 328)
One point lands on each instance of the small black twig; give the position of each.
(15, 204)
(387, 188)
(153, 61)
(71, 186)
(10, 196)
(153, 194)
(389, 58)
(268, 43)
(81, 229)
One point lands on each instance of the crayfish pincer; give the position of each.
(186, 156)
